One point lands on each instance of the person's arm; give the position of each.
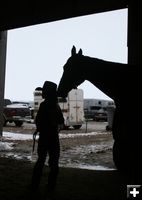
(60, 118)
(38, 118)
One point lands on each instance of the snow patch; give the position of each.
(75, 135)
(6, 146)
(19, 136)
(89, 167)
(70, 155)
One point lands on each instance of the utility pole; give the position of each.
(3, 47)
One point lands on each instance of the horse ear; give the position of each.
(80, 52)
(73, 51)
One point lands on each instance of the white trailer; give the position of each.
(72, 107)
(93, 106)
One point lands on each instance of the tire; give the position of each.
(18, 123)
(4, 121)
(77, 126)
(66, 127)
(108, 128)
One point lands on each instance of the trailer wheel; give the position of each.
(66, 127)
(108, 128)
(4, 121)
(18, 123)
(77, 126)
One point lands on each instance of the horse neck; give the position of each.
(104, 75)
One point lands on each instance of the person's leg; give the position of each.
(38, 168)
(54, 154)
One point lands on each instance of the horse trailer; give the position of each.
(96, 109)
(72, 107)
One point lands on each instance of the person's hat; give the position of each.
(49, 88)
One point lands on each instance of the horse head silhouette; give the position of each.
(107, 76)
(71, 77)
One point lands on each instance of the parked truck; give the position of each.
(72, 107)
(16, 113)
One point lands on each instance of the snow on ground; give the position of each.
(85, 166)
(74, 135)
(19, 136)
(9, 136)
(5, 146)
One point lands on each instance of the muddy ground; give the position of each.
(89, 147)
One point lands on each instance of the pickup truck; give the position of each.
(16, 113)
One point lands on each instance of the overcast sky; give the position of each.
(38, 53)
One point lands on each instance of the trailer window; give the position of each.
(95, 107)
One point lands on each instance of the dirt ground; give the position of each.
(72, 184)
(88, 149)
(81, 148)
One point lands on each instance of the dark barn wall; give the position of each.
(134, 33)
(26, 13)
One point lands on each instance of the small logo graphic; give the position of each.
(133, 191)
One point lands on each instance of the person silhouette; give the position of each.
(49, 120)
